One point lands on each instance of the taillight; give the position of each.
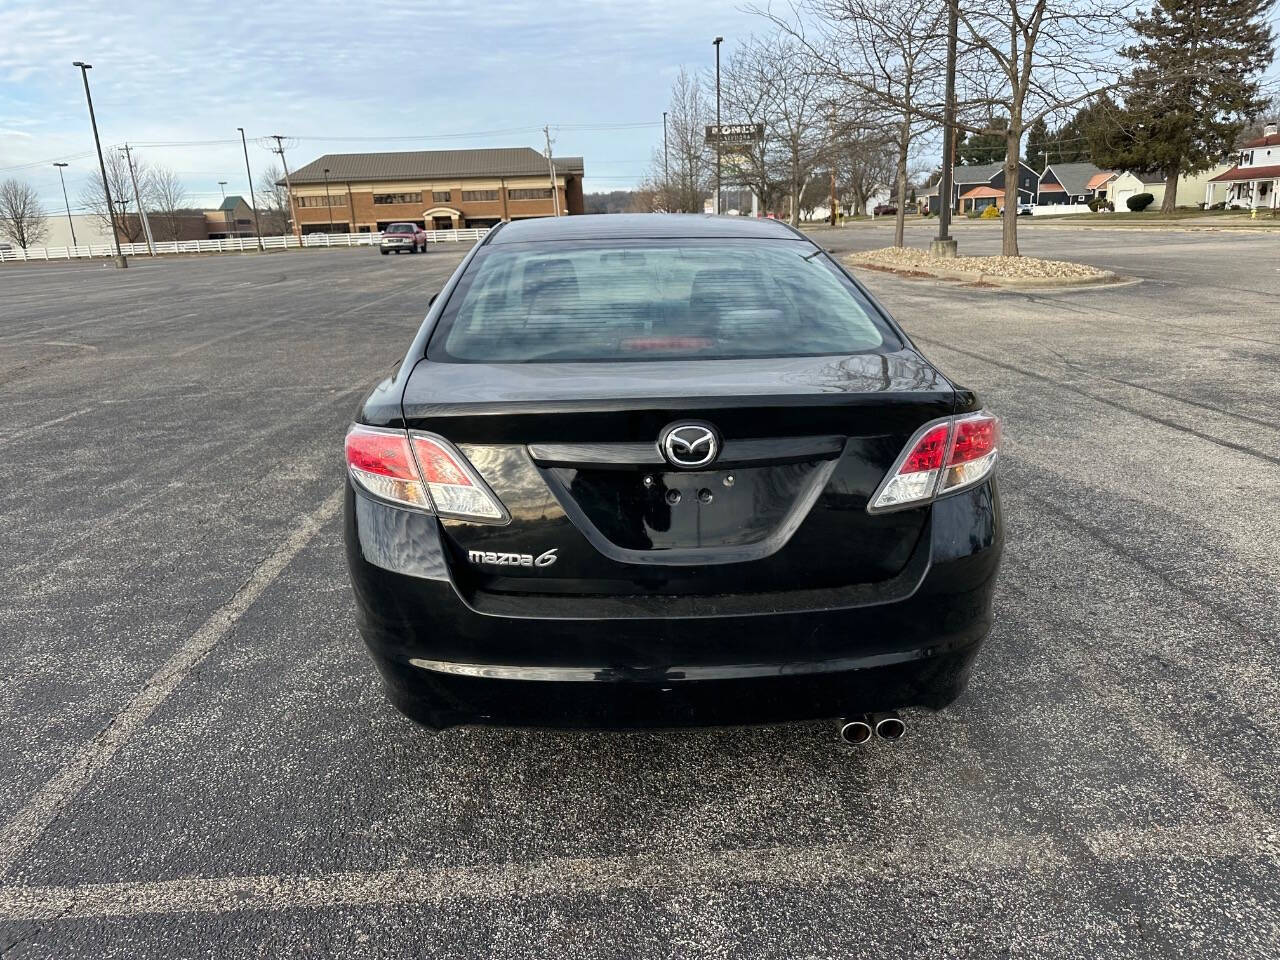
(456, 489)
(942, 457)
(381, 462)
(419, 470)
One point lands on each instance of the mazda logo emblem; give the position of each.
(689, 445)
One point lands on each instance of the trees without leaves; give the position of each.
(21, 218)
(123, 219)
(884, 58)
(274, 198)
(1034, 59)
(681, 181)
(1193, 88)
(170, 198)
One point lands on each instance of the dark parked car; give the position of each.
(668, 470)
(885, 210)
(403, 237)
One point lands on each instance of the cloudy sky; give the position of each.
(473, 73)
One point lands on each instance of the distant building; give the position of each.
(978, 187)
(1254, 181)
(1191, 188)
(1073, 183)
(233, 219)
(440, 189)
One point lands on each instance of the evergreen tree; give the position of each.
(1037, 139)
(1193, 86)
(986, 147)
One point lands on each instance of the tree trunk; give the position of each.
(1170, 201)
(1013, 138)
(900, 218)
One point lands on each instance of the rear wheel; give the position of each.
(383, 252)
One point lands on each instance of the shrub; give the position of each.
(1101, 203)
(1139, 202)
(991, 212)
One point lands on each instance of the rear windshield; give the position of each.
(399, 228)
(654, 299)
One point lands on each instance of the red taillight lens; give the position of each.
(973, 452)
(929, 450)
(975, 437)
(437, 465)
(943, 457)
(456, 489)
(381, 462)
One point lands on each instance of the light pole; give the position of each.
(70, 223)
(257, 228)
(945, 245)
(102, 164)
(716, 43)
(327, 201)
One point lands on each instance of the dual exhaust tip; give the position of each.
(860, 730)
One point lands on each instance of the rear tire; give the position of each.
(383, 252)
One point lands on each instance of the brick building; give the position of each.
(440, 189)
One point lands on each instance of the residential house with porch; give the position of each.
(977, 187)
(1072, 183)
(1254, 181)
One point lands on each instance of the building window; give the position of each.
(479, 194)
(333, 201)
(536, 193)
(398, 197)
(441, 196)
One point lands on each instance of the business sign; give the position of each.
(735, 133)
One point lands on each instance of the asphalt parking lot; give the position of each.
(199, 762)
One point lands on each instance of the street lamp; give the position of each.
(70, 223)
(102, 164)
(327, 202)
(716, 43)
(257, 227)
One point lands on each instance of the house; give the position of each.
(976, 187)
(1254, 181)
(233, 219)
(1191, 187)
(1072, 183)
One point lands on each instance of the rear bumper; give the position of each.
(445, 660)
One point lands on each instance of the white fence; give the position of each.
(1058, 209)
(229, 245)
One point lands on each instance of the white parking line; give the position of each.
(814, 866)
(25, 828)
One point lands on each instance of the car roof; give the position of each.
(619, 226)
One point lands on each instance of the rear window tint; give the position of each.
(641, 300)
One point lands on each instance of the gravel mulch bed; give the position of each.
(988, 268)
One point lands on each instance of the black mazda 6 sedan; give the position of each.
(668, 470)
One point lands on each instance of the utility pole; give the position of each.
(945, 245)
(297, 227)
(257, 228)
(137, 196)
(715, 207)
(120, 261)
(70, 223)
(551, 169)
(328, 201)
